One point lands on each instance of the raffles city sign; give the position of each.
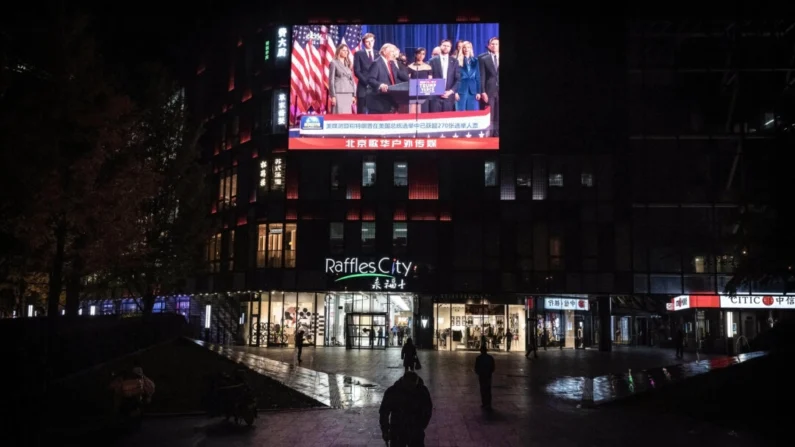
(385, 273)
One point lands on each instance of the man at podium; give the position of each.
(383, 73)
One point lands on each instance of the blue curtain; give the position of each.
(428, 36)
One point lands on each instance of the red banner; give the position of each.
(395, 144)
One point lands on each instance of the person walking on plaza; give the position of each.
(409, 355)
(299, 343)
(508, 340)
(679, 342)
(484, 368)
(400, 334)
(380, 336)
(406, 412)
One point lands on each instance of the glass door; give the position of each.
(365, 330)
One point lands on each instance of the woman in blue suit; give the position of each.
(468, 96)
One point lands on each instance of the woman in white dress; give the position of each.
(340, 82)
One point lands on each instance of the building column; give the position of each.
(605, 338)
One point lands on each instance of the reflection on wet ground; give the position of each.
(332, 390)
(617, 386)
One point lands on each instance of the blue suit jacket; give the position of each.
(470, 77)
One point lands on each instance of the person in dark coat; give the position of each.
(508, 340)
(299, 343)
(484, 368)
(406, 412)
(409, 355)
(679, 341)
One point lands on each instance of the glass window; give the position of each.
(368, 173)
(400, 233)
(275, 245)
(335, 176)
(539, 175)
(214, 252)
(336, 236)
(401, 173)
(586, 179)
(368, 236)
(490, 173)
(524, 176)
(289, 244)
(231, 250)
(262, 244)
(227, 189)
(556, 179)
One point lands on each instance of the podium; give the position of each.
(415, 91)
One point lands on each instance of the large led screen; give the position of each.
(395, 87)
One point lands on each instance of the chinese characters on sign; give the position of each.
(682, 302)
(281, 110)
(263, 174)
(757, 302)
(278, 173)
(388, 284)
(566, 304)
(395, 143)
(281, 43)
(267, 50)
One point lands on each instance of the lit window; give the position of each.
(336, 237)
(368, 173)
(699, 264)
(586, 179)
(556, 179)
(227, 189)
(400, 233)
(214, 252)
(368, 237)
(276, 245)
(401, 173)
(490, 173)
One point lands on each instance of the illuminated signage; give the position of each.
(387, 273)
(279, 111)
(682, 302)
(757, 302)
(329, 111)
(278, 173)
(669, 306)
(566, 304)
(263, 174)
(281, 42)
(267, 50)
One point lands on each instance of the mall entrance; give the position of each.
(366, 330)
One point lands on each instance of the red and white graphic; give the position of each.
(566, 304)
(757, 302)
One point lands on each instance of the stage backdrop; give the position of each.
(414, 117)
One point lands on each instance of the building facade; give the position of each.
(624, 153)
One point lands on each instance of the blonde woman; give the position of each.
(340, 82)
(468, 93)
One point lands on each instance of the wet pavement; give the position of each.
(526, 412)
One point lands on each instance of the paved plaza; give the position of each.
(526, 413)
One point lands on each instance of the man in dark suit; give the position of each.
(362, 60)
(445, 67)
(490, 82)
(384, 72)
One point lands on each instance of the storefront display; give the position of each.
(564, 322)
(466, 326)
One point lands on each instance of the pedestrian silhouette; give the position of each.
(406, 412)
(299, 343)
(484, 368)
(409, 355)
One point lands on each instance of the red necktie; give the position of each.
(391, 76)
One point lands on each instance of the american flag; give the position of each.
(314, 47)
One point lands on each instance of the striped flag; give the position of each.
(314, 47)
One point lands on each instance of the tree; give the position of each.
(71, 160)
(173, 222)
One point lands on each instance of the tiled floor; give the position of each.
(525, 414)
